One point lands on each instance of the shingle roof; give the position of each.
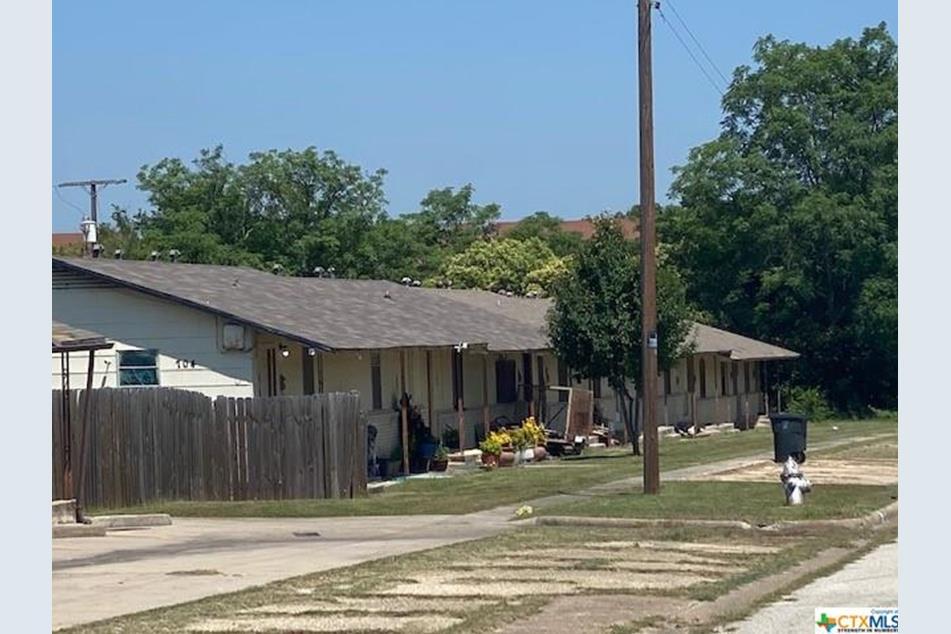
(334, 314)
(737, 347)
(341, 314)
(69, 338)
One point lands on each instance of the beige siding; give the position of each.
(132, 320)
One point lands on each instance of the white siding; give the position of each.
(133, 320)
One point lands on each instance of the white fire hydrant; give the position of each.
(795, 483)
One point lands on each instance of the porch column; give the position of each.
(459, 403)
(429, 392)
(404, 415)
(485, 394)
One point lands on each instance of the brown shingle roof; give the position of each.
(69, 338)
(336, 314)
(582, 226)
(341, 314)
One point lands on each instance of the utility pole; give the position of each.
(648, 255)
(92, 187)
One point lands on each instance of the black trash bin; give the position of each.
(789, 437)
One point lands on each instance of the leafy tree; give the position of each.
(787, 224)
(546, 227)
(296, 209)
(595, 321)
(449, 220)
(520, 266)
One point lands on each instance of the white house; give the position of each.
(241, 332)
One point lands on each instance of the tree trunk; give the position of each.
(624, 400)
(631, 419)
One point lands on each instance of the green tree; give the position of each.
(787, 224)
(519, 266)
(296, 209)
(595, 320)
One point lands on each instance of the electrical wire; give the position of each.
(60, 196)
(697, 42)
(690, 53)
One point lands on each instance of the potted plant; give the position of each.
(536, 434)
(491, 449)
(524, 445)
(440, 461)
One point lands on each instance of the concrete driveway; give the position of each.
(129, 571)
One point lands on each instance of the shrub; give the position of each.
(810, 402)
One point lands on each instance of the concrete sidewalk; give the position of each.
(134, 570)
(871, 581)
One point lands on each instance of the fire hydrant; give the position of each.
(795, 483)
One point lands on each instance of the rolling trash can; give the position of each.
(789, 437)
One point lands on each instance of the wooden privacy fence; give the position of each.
(148, 444)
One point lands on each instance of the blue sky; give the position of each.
(532, 101)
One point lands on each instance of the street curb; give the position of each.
(131, 521)
(618, 522)
(881, 516)
(77, 530)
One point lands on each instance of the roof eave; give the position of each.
(323, 347)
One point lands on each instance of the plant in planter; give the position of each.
(536, 434)
(440, 459)
(524, 445)
(491, 448)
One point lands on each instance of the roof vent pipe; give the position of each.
(117, 254)
(174, 254)
(154, 255)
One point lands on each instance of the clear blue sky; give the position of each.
(533, 101)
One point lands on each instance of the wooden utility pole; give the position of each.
(648, 263)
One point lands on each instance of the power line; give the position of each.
(689, 52)
(74, 206)
(697, 42)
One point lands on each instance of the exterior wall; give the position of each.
(133, 320)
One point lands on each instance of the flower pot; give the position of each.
(439, 465)
(490, 459)
(507, 459)
(528, 455)
(540, 453)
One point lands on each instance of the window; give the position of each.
(376, 382)
(723, 378)
(703, 379)
(506, 390)
(747, 387)
(138, 367)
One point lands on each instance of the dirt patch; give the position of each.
(603, 579)
(690, 547)
(819, 471)
(427, 623)
(436, 588)
(372, 605)
(599, 562)
(595, 613)
(630, 554)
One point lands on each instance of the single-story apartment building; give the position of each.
(237, 331)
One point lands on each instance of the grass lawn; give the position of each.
(758, 503)
(484, 490)
(499, 579)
